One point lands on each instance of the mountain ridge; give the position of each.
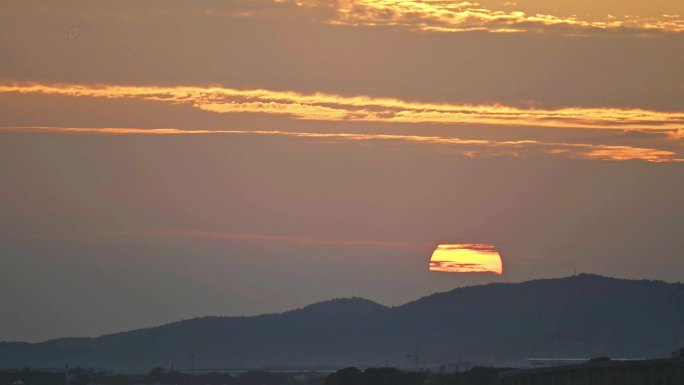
(584, 314)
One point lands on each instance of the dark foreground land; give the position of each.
(597, 371)
(348, 376)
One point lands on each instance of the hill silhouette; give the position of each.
(581, 316)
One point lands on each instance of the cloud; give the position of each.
(418, 15)
(331, 107)
(256, 237)
(460, 16)
(481, 247)
(456, 267)
(463, 147)
(628, 153)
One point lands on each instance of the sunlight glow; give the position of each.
(466, 258)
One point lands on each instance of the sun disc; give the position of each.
(466, 258)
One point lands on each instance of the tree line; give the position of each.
(347, 376)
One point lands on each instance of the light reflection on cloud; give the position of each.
(464, 147)
(462, 16)
(330, 107)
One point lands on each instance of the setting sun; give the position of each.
(466, 258)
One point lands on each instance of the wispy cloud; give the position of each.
(273, 238)
(330, 107)
(463, 147)
(420, 15)
(459, 16)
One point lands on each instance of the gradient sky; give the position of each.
(162, 160)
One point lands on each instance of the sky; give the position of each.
(164, 160)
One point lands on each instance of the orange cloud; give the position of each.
(466, 258)
(463, 147)
(459, 16)
(628, 153)
(330, 107)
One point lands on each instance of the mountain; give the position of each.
(579, 316)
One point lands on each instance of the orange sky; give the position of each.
(273, 153)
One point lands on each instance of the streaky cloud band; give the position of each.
(464, 147)
(330, 107)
